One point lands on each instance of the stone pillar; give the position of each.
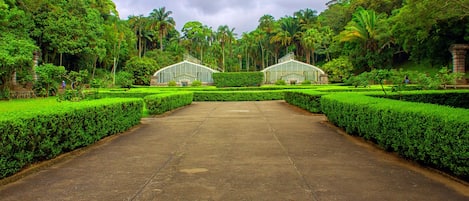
(459, 57)
(154, 81)
(324, 79)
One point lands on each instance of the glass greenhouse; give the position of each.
(292, 71)
(183, 73)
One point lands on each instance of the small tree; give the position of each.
(379, 76)
(49, 77)
(339, 69)
(141, 69)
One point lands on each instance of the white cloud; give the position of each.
(243, 15)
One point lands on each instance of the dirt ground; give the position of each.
(232, 151)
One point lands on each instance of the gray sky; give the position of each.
(243, 15)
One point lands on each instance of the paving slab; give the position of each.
(234, 151)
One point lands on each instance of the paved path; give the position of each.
(233, 151)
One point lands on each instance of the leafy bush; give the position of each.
(124, 79)
(196, 83)
(430, 134)
(238, 95)
(161, 103)
(141, 69)
(243, 79)
(45, 132)
(172, 83)
(339, 69)
(49, 77)
(280, 82)
(306, 82)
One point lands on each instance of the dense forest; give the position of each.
(87, 41)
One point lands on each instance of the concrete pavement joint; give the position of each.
(307, 187)
(171, 157)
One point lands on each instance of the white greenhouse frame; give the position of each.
(183, 73)
(292, 71)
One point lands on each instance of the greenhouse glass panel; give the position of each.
(186, 72)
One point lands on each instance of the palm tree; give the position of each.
(309, 41)
(363, 28)
(163, 22)
(287, 32)
(137, 23)
(259, 38)
(225, 36)
(306, 18)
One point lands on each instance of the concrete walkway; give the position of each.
(233, 151)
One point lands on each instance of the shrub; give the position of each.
(196, 83)
(49, 77)
(124, 79)
(339, 69)
(280, 82)
(141, 69)
(306, 82)
(243, 79)
(161, 103)
(172, 83)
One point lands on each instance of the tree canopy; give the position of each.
(89, 35)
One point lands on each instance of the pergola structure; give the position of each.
(183, 73)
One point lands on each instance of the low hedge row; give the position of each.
(308, 100)
(456, 98)
(122, 94)
(430, 134)
(30, 136)
(161, 103)
(238, 79)
(238, 95)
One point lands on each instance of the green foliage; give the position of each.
(238, 79)
(51, 129)
(161, 103)
(306, 82)
(440, 80)
(339, 69)
(360, 80)
(308, 100)
(15, 55)
(124, 79)
(430, 134)
(238, 95)
(172, 83)
(49, 77)
(280, 82)
(142, 69)
(453, 98)
(196, 83)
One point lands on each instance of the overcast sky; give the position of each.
(243, 15)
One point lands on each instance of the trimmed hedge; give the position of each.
(430, 134)
(27, 137)
(459, 98)
(238, 79)
(122, 94)
(161, 103)
(238, 95)
(308, 100)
